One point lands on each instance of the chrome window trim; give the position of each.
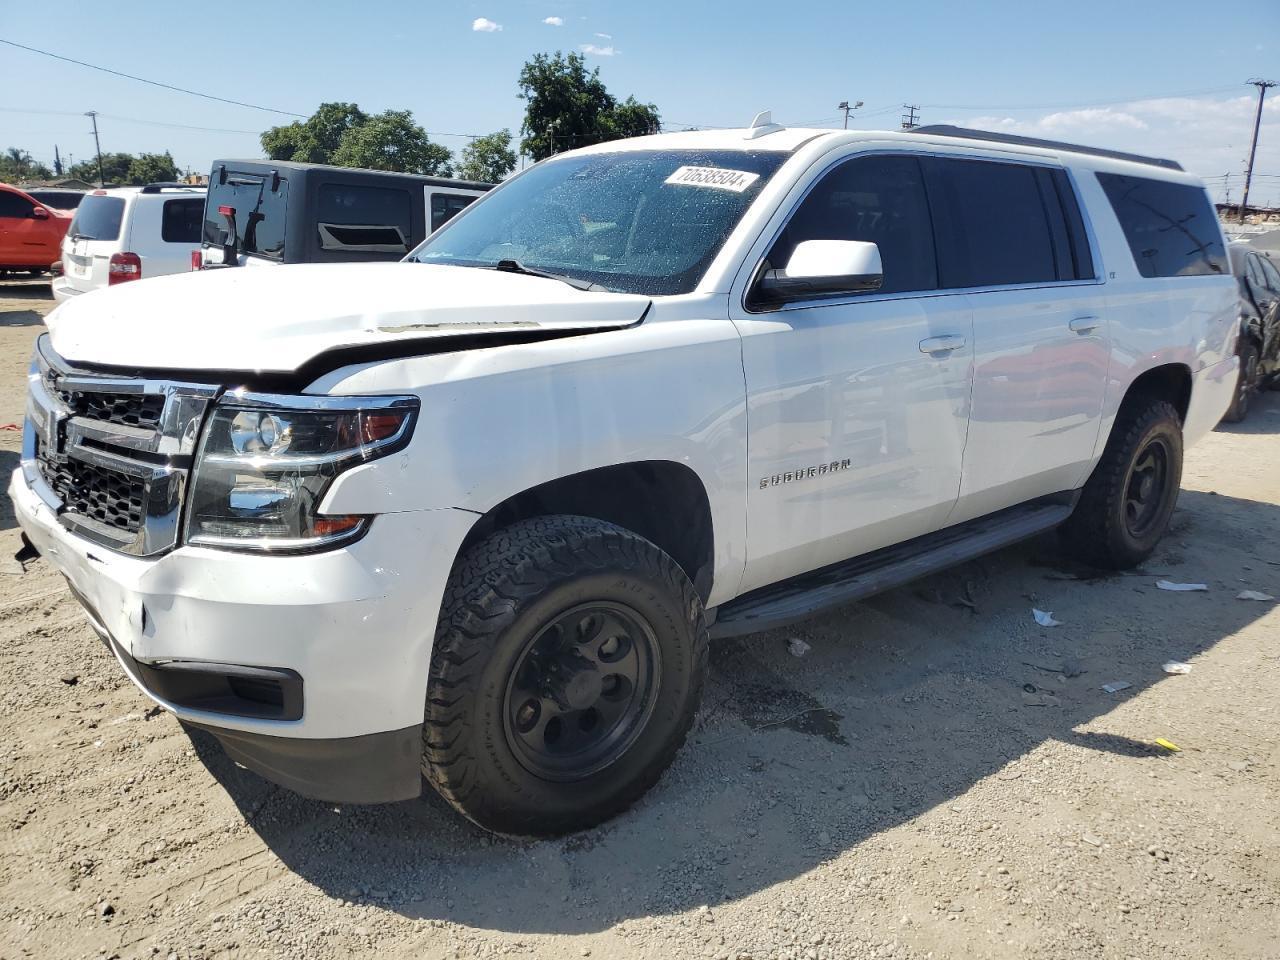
(1043, 162)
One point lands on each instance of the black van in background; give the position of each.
(276, 211)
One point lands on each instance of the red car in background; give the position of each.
(30, 232)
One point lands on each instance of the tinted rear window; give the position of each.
(1171, 228)
(259, 213)
(992, 224)
(363, 219)
(446, 206)
(182, 220)
(61, 199)
(97, 218)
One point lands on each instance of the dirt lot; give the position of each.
(920, 784)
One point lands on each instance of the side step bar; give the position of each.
(856, 579)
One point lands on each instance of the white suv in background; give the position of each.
(128, 233)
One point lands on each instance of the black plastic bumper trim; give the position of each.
(374, 768)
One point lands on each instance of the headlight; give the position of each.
(265, 463)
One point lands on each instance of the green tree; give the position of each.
(115, 169)
(392, 141)
(631, 118)
(16, 164)
(153, 168)
(315, 139)
(489, 159)
(567, 106)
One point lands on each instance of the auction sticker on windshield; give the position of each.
(721, 179)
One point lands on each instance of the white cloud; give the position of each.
(591, 50)
(485, 25)
(605, 36)
(1209, 137)
(554, 21)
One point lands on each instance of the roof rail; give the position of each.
(947, 130)
(157, 187)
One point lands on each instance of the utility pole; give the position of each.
(910, 117)
(1263, 86)
(97, 146)
(844, 105)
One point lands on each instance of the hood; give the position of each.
(276, 319)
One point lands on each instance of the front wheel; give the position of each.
(1127, 503)
(567, 669)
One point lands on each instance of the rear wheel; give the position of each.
(1246, 383)
(1126, 504)
(567, 670)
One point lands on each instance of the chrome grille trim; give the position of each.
(56, 436)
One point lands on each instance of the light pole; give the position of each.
(93, 114)
(844, 105)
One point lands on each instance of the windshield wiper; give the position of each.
(515, 266)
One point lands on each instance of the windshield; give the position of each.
(97, 218)
(646, 222)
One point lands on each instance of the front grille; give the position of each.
(102, 495)
(127, 409)
(113, 452)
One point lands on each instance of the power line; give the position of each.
(154, 83)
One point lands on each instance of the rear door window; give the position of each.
(363, 219)
(1171, 228)
(879, 199)
(994, 226)
(446, 206)
(182, 220)
(258, 213)
(97, 218)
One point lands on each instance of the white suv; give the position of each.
(476, 514)
(129, 233)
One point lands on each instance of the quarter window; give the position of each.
(880, 199)
(1171, 228)
(994, 224)
(182, 221)
(363, 219)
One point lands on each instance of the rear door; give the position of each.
(94, 235)
(1012, 237)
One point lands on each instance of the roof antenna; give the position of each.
(762, 126)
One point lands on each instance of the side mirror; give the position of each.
(824, 268)
(39, 213)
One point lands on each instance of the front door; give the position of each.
(857, 407)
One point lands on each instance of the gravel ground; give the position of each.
(925, 781)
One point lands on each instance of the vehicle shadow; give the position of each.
(1263, 417)
(902, 703)
(22, 290)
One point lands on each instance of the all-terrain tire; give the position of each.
(1246, 383)
(1101, 531)
(501, 598)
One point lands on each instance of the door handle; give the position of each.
(944, 344)
(1085, 324)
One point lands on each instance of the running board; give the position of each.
(856, 579)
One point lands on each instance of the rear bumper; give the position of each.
(64, 290)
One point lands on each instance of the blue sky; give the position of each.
(1164, 78)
